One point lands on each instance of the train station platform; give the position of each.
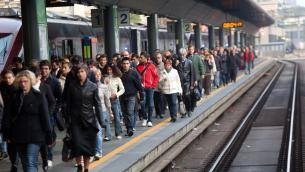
(148, 143)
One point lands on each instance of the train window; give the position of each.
(5, 42)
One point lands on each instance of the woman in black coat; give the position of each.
(82, 96)
(233, 65)
(26, 121)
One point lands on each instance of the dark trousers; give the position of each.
(207, 84)
(29, 156)
(189, 102)
(233, 74)
(147, 106)
(128, 106)
(172, 104)
(13, 154)
(159, 101)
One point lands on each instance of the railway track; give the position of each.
(288, 158)
(221, 153)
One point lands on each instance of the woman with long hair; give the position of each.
(26, 123)
(116, 90)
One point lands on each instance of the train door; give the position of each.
(67, 47)
(144, 45)
(89, 48)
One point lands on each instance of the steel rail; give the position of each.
(241, 126)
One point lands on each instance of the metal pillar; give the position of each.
(152, 32)
(236, 38)
(135, 41)
(35, 30)
(221, 37)
(230, 38)
(211, 37)
(179, 34)
(245, 40)
(241, 40)
(111, 30)
(197, 36)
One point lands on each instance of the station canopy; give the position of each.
(212, 12)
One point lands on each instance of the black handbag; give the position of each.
(196, 94)
(66, 153)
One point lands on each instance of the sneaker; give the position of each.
(173, 120)
(91, 159)
(189, 114)
(97, 157)
(3, 155)
(119, 137)
(50, 163)
(133, 129)
(144, 123)
(107, 139)
(149, 124)
(130, 133)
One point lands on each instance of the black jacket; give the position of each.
(27, 119)
(56, 89)
(47, 92)
(187, 75)
(7, 93)
(132, 83)
(1, 110)
(233, 62)
(83, 104)
(224, 62)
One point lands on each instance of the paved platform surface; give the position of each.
(121, 153)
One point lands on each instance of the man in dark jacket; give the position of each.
(53, 82)
(8, 90)
(188, 79)
(132, 84)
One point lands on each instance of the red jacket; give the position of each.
(248, 56)
(150, 77)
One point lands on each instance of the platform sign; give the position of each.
(188, 27)
(123, 17)
(97, 16)
(171, 27)
(232, 24)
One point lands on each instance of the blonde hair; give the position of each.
(25, 73)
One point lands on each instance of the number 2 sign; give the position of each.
(123, 17)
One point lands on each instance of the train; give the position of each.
(67, 35)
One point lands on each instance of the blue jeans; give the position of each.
(147, 106)
(128, 106)
(217, 79)
(29, 156)
(172, 104)
(116, 113)
(3, 145)
(99, 142)
(248, 67)
(105, 116)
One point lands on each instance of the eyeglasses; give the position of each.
(23, 81)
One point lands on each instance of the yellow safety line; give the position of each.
(126, 145)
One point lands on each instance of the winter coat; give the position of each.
(187, 75)
(27, 119)
(170, 82)
(199, 68)
(149, 74)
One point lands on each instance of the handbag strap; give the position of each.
(148, 64)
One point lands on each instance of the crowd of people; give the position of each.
(85, 99)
